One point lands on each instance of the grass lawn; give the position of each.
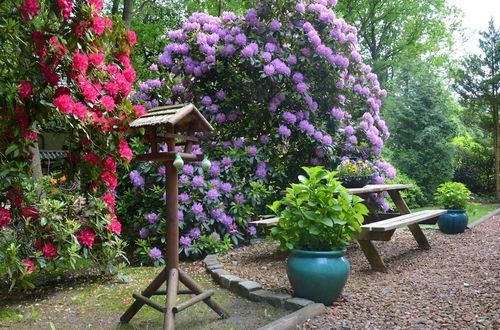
(83, 303)
(480, 210)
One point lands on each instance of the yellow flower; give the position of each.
(354, 168)
(360, 162)
(54, 191)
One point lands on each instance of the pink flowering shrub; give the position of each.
(290, 71)
(62, 61)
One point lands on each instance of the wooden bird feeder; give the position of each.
(171, 124)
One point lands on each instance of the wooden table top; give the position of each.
(373, 188)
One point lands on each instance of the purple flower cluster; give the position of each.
(155, 253)
(136, 178)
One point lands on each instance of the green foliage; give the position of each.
(317, 214)
(473, 164)
(419, 117)
(414, 197)
(391, 31)
(453, 195)
(478, 83)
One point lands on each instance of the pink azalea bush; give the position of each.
(66, 63)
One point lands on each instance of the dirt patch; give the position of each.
(454, 285)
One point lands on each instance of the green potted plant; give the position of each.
(453, 196)
(317, 219)
(354, 174)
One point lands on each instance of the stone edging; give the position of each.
(303, 309)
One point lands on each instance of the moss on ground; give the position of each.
(98, 304)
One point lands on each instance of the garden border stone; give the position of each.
(303, 309)
(483, 218)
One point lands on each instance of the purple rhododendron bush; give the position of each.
(285, 87)
(65, 64)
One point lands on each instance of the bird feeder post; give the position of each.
(174, 120)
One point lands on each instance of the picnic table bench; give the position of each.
(381, 226)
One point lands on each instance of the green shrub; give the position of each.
(414, 197)
(317, 214)
(453, 195)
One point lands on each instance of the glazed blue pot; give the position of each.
(453, 222)
(318, 275)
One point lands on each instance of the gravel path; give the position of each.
(455, 285)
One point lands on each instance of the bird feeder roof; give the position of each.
(182, 116)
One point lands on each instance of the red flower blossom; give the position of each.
(31, 267)
(66, 6)
(107, 23)
(61, 51)
(90, 91)
(99, 25)
(61, 91)
(49, 250)
(24, 90)
(86, 237)
(23, 119)
(124, 59)
(109, 199)
(132, 37)
(96, 59)
(129, 74)
(93, 187)
(80, 63)
(4, 217)
(97, 4)
(110, 164)
(140, 110)
(125, 151)
(64, 103)
(29, 9)
(15, 196)
(112, 88)
(30, 135)
(108, 102)
(30, 212)
(110, 179)
(115, 227)
(80, 110)
(51, 77)
(93, 158)
(38, 244)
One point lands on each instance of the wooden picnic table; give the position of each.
(381, 226)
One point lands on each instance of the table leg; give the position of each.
(399, 201)
(419, 236)
(372, 255)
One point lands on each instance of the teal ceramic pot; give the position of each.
(453, 222)
(318, 275)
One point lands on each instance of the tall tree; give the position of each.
(418, 112)
(395, 30)
(478, 83)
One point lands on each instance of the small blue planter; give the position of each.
(318, 275)
(453, 222)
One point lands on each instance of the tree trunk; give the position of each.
(114, 8)
(36, 165)
(127, 12)
(496, 147)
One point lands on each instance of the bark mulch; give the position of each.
(455, 285)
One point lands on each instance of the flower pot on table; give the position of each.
(318, 275)
(355, 181)
(453, 222)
